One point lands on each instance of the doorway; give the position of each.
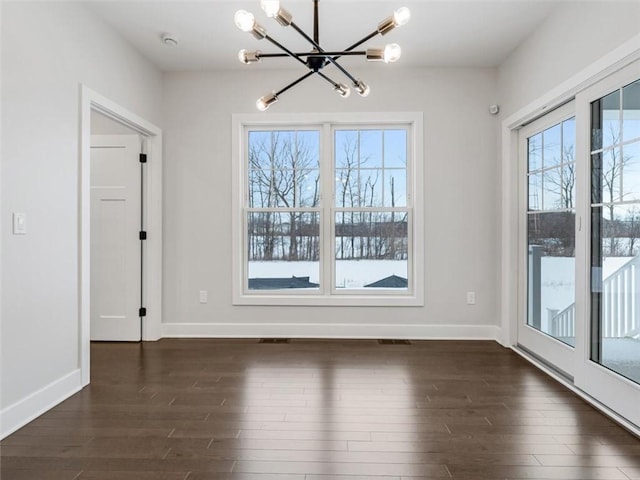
(93, 103)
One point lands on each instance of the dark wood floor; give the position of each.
(318, 410)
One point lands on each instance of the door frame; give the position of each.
(152, 266)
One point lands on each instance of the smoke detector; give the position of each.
(169, 40)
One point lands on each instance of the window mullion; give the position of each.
(326, 205)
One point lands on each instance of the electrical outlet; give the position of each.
(471, 298)
(204, 296)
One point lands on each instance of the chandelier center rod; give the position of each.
(316, 29)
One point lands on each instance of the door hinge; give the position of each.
(143, 158)
(143, 235)
(142, 312)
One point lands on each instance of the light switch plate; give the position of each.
(19, 223)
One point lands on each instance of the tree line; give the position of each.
(284, 173)
(555, 230)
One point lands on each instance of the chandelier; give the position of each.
(317, 58)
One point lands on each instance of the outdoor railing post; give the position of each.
(535, 285)
(636, 298)
(554, 323)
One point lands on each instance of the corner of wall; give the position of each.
(27, 409)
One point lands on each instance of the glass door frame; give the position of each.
(553, 351)
(611, 389)
(511, 183)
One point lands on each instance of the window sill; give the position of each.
(402, 300)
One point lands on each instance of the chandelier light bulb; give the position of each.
(362, 88)
(389, 54)
(273, 10)
(264, 102)
(401, 16)
(270, 7)
(248, 57)
(392, 53)
(244, 20)
(343, 90)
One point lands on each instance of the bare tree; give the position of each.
(348, 183)
(279, 167)
(612, 166)
(364, 233)
(633, 230)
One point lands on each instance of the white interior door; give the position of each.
(115, 243)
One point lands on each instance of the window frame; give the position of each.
(327, 294)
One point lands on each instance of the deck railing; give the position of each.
(620, 301)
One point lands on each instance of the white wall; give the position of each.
(461, 224)
(575, 35)
(48, 50)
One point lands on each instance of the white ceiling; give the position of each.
(449, 33)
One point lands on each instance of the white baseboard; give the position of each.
(23, 411)
(335, 330)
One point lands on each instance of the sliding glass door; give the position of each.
(548, 226)
(609, 120)
(579, 233)
(615, 231)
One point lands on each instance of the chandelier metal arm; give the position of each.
(355, 45)
(294, 83)
(360, 42)
(320, 50)
(311, 54)
(285, 49)
(303, 77)
(342, 69)
(335, 84)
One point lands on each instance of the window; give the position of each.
(328, 212)
(282, 210)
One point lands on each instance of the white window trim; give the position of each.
(325, 297)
